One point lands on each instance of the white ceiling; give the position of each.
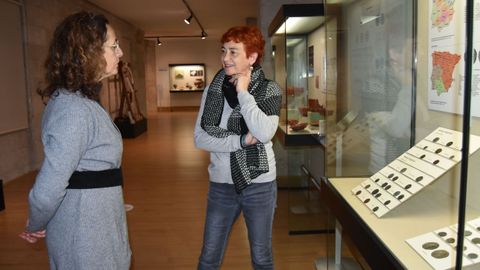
(165, 17)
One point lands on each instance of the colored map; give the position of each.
(443, 64)
(442, 13)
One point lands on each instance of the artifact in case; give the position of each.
(298, 53)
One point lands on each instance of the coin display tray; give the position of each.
(413, 170)
(438, 248)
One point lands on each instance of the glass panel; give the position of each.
(472, 212)
(396, 74)
(299, 53)
(369, 84)
(370, 90)
(296, 80)
(441, 72)
(279, 58)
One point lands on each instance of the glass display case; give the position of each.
(298, 53)
(402, 144)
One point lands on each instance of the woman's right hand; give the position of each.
(32, 237)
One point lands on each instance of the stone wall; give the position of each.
(22, 151)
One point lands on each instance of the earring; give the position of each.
(251, 67)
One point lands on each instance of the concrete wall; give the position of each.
(150, 77)
(21, 151)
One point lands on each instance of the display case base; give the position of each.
(129, 130)
(329, 264)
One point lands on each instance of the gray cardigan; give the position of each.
(262, 127)
(86, 228)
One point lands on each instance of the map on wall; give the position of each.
(443, 65)
(446, 57)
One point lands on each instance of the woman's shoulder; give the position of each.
(67, 109)
(274, 87)
(63, 96)
(64, 100)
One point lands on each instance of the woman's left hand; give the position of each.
(250, 140)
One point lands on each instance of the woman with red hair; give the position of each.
(237, 119)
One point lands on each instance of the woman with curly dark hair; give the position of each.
(77, 198)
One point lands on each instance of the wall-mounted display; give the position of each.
(14, 113)
(187, 77)
(447, 60)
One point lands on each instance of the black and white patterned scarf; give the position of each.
(250, 162)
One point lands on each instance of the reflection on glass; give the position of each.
(370, 45)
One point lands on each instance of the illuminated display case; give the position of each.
(401, 158)
(298, 53)
(297, 40)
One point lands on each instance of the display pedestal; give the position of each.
(336, 193)
(2, 200)
(329, 264)
(129, 130)
(338, 262)
(381, 241)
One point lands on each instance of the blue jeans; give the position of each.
(258, 202)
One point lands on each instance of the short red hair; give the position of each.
(250, 36)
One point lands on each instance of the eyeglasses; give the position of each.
(115, 46)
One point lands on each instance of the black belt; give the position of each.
(96, 179)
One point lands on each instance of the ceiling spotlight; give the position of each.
(204, 35)
(187, 21)
(159, 43)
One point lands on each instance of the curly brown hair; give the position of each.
(75, 59)
(250, 36)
